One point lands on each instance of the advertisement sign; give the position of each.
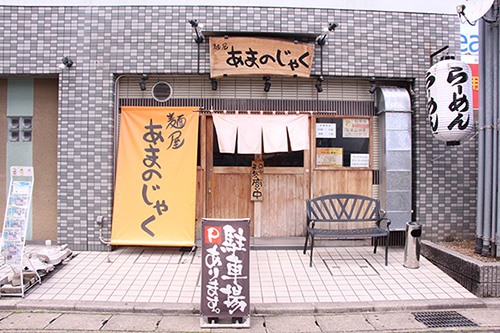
(237, 56)
(155, 192)
(17, 214)
(449, 100)
(356, 128)
(329, 157)
(475, 85)
(225, 271)
(469, 47)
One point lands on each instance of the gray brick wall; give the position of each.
(108, 41)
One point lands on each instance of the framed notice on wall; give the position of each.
(329, 157)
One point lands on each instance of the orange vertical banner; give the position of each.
(155, 190)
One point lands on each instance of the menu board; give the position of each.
(17, 214)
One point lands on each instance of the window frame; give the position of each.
(314, 143)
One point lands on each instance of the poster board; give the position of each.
(225, 273)
(16, 219)
(17, 214)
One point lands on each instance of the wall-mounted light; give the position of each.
(214, 84)
(197, 30)
(66, 63)
(321, 39)
(267, 85)
(142, 84)
(319, 88)
(374, 87)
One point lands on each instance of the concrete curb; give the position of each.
(382, 306)
(256, 309)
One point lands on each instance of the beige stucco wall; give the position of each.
(45, 108)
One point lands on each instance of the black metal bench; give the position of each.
(326, 213)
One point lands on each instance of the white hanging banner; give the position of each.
(251, 129)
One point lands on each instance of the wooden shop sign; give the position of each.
(242, 56)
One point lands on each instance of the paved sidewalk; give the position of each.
(144, 289)
(167, 275)
(475, 319)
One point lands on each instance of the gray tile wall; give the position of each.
(107, 41)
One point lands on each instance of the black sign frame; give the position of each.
(225, 273)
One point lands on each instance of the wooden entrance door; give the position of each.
(281, 213)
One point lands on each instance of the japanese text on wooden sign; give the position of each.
(225, 282)
(238, 56)
(155, 192)
(257, 180)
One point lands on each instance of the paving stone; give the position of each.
(78, 321)
(132, 322)
(29, 320)
(4, 314)
(291, 324)
(482, 317)
(256, 325)
(354, 322)
(394, 321)
(181, 324)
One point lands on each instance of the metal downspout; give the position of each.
(488, 149)
(480, 176)
(495, 115)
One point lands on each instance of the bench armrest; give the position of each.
(387, 222)
(310, 222)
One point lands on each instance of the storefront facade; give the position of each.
(112, 47)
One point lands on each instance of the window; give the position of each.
(343, 142)
(19, 129)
